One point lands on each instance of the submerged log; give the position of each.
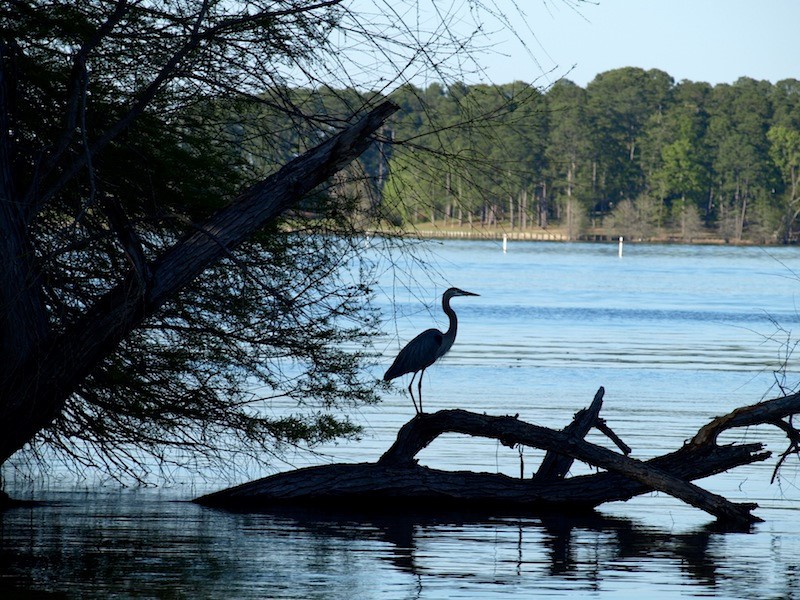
(397, 481)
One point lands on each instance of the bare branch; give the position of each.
(794, 444)
(746, 416)
(603, 427)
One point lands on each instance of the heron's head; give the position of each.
(453, 292)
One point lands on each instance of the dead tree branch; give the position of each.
(422, 430)
(756, 414)
(397, 481)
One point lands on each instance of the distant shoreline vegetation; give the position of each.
(632, 154)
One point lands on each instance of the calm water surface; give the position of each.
(675, 334)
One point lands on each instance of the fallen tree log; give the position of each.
(396, 480)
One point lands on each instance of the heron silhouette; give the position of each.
(425, 349)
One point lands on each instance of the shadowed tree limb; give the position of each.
(756, 414)
(556, 465)
(769, 412)
(794, 443)
(421, 431)
(603, 427)
(35, 391)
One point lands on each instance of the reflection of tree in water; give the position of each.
(623, 540)
(560, 539)
(181, 547)
(582, 549)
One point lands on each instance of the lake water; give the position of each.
(675, 334)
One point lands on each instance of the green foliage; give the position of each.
(680, 171)
(509, 155)
(464, 150)
(620, 102)
(784, 150)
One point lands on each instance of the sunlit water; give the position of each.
(675, 334)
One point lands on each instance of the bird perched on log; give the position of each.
(425, 349)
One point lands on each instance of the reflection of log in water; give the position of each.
(555, 541)
(397, 481)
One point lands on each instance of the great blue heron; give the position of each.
(425, 349)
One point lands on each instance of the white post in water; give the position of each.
(620, 246)
(505, 243)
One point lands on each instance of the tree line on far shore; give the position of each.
(634, 153)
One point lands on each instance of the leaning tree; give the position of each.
(165, 194)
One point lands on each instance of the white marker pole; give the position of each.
(505, 243)
(620, 246)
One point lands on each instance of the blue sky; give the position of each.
(716, 41)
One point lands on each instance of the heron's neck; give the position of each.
(450, 334)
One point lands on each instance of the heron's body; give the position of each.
(425, 349)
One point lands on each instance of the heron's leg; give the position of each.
(411, 393)
(419, 388)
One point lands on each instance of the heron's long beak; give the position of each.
(465, 293)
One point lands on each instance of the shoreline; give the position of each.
(560, 235)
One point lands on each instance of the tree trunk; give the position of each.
(543, 207)
(36, 385)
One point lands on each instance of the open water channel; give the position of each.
(675, 334)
